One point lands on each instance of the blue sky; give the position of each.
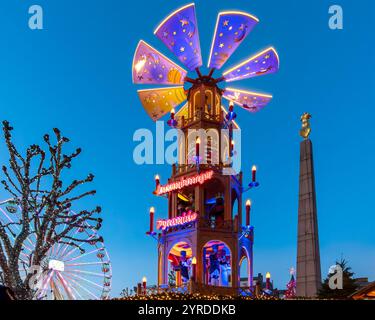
(76, 75)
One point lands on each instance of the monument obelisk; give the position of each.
(308, 256)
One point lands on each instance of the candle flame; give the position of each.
(268, 275)
(194, 260)
(254, 168)
(248, 203)
(157, 177)
(152, 210)
(144, 279)
(172, 111)
(198, 141)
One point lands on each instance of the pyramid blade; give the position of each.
(158, 102)
(152, 67)
(232, 27)
(251, 101)
(179, 32)
(262, 63)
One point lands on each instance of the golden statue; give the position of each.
(306, 129)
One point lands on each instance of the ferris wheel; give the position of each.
(81, 272)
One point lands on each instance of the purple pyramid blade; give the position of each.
(264, 62)
(158, 102)
(179, 32)
(251, 101)
(151, 67)
(232, 27)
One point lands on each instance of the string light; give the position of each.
(194, 296)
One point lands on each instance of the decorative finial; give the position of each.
(306, 129)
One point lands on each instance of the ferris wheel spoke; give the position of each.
(71, 233)
(57, 289)
(66, 286)
(77, 277)
(31, 241)
(85, 254)
(24, 261)
(74, 289)
(86, 272)
(72, 250)
(17, 227)
(66, 245)
(8, 217)
(60, 244)
(86, 263)
(45, 283)
(84, 288)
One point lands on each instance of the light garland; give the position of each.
(193, 296)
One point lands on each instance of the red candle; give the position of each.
(152, 211)
(157, 181)
(268, 281)
(144, 284)
(197, 144)
(254, 172)
(248, 206)
(231, 105)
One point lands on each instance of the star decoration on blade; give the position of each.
(179, 32)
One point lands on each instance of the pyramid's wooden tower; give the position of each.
(217, 201)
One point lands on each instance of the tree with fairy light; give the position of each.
(290, 292)
(34, 183)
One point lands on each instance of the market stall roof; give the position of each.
(366, 293)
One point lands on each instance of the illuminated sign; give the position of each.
(185, 182)
(177, 221)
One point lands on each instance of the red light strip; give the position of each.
(185, 182)
(177, 221)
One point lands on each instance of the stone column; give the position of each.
(308, 256)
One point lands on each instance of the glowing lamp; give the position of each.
(268, 281)
(197, 144)
(172, 122)
(157, 181)
(254, 172)
(144, 284)
(152, 212)
(194, 260)
(248, 206)
(231, 115)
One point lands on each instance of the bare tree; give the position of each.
(35, 182)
